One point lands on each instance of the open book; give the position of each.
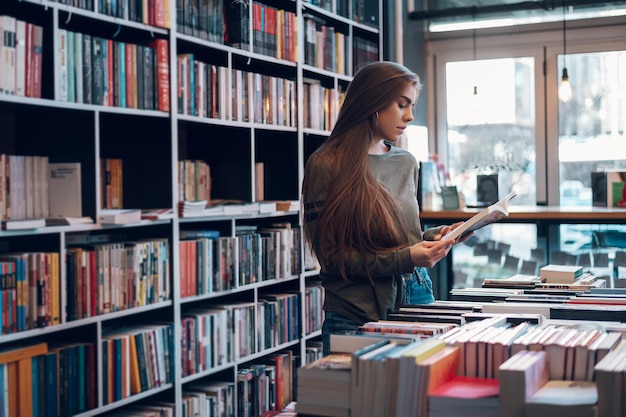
(493, 213)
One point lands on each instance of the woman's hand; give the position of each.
(444, 230)
(428, 253)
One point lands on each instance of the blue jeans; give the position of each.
(335, 323)
(418, 287)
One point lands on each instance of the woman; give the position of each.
(360, 205)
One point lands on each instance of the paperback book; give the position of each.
(488, 215)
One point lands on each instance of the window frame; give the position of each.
(544, 43)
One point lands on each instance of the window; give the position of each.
(516, 127)
(491, 126)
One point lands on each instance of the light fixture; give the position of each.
(565, 89)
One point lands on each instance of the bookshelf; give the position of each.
(150, 84)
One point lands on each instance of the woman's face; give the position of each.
(393, 120)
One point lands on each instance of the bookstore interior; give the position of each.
(152, 256)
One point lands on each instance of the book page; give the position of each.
(488, 215)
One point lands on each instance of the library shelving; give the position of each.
(140, 105)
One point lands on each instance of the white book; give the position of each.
(566, 274)
(7, 60)
(488, 215)
(120, 216)
(64, 189)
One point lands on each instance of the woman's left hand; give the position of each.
(444, 230)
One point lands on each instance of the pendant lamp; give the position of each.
(565, 89)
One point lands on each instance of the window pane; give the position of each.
(592, 140)
(491, 126)
(591, 123)
(493, 132)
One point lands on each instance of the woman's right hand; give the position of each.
(428, 253)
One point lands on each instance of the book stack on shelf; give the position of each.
(328, 378)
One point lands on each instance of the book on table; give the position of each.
(486, 216)
(567, 274)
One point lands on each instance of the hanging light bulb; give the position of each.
(565, 89)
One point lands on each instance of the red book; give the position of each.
(128, 56)
(159, 13)
(28, 61)
(162, 74)
(466, 387)
(93, 276)
(257, 29)
(37, 61)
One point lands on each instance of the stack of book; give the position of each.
(610, 374)
(560, 274)
(568, 277)
(523, 281)
(324, 386)
(120, 216)
(191, 208)
(526, 389)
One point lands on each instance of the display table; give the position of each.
(546, 218)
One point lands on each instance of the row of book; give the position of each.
(321, 105)
(95, 70)
(208, 339)
(21, 57)
(108, 277)
(29, 291)
(194, 180)
(324, 46)
(136, 359)
(100, 278)
(32, 187)
(313, 315)
(274, 30)
(210, 91)
(25, 187)
(364, 51)
(212, 263)
(541, 368)
(47, 380)
(148, 12)
(363, 11)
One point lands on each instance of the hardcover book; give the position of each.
(64, 186)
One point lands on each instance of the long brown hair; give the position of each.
(358, 213)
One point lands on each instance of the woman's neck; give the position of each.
(378, 147)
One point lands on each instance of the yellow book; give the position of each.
(135, 381)
(25, 387)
